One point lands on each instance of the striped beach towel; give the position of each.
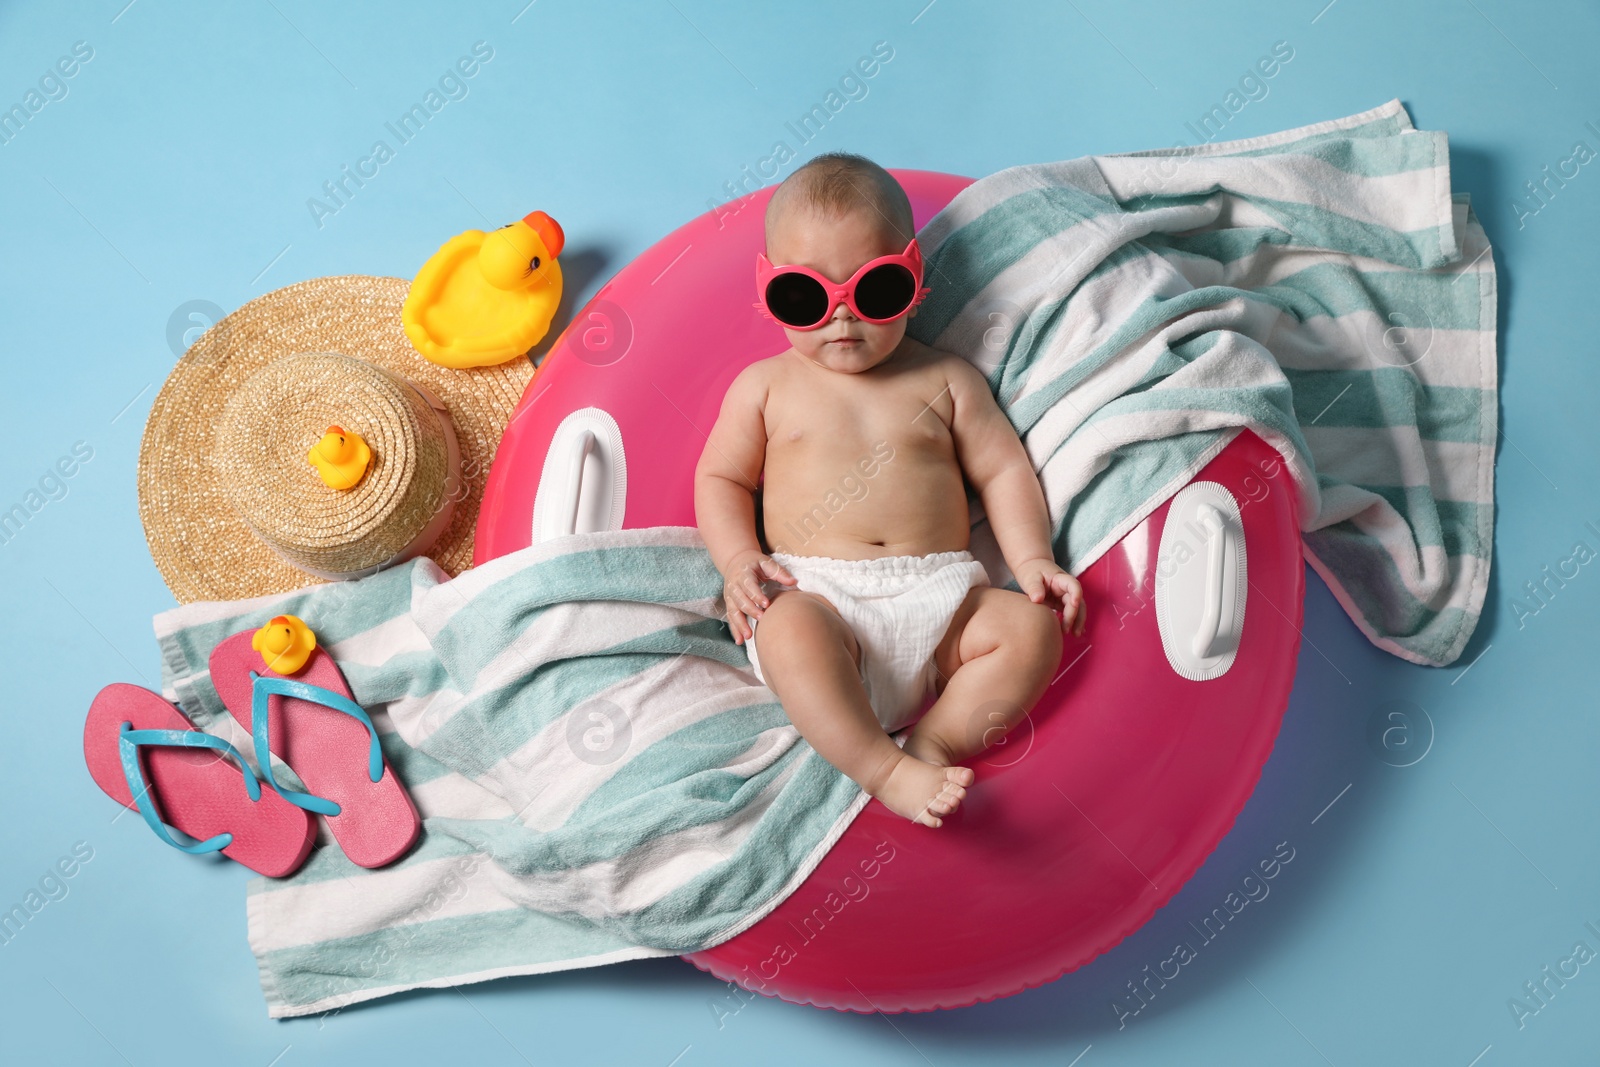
(600, 776)
(1321, 286)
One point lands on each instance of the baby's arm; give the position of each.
(724, 499)
(994, 461)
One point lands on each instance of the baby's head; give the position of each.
(834, 214)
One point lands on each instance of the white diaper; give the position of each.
(898, 607)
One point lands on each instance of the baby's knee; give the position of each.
(788, 610)
(1038, 633)
(798, 625)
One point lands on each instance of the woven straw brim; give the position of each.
(200, 542)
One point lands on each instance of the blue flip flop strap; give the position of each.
(262, 688)
(129, 741)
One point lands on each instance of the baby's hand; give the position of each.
(1044, 582)
(741, 589)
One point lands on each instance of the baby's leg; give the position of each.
(810, 659)
(999, 656)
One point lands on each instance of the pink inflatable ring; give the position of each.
(1091, 814)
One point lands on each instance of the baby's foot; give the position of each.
(928, 748)
(923, 792)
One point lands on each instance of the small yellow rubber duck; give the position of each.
(341, 458)
(285, 643)
(485, 298)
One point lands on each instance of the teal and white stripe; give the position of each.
(1321, 287)
(538, 853)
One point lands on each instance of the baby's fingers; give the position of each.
(736, 605)
(739, 626)
(775, 570)
(752, 595)
(739, 599)
(1071, 593)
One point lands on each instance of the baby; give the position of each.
(859, 438)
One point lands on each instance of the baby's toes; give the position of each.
(948, 799)
(959, 775)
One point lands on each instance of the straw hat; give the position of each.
(232, 508)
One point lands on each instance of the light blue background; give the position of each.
(178, 168)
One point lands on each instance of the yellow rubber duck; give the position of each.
(484, 298)
(341, 458)
(285, 643)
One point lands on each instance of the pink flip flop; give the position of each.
(146, 754)
(310, 722)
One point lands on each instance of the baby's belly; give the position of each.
(865, 507)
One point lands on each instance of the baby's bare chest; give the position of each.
(810, 427)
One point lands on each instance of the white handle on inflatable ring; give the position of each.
(581, 447)
(1211, 618)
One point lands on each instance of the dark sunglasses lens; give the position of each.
(885, 291)
(796, 300)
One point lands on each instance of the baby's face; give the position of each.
(836, 246)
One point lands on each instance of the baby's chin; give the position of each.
(847, 359)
